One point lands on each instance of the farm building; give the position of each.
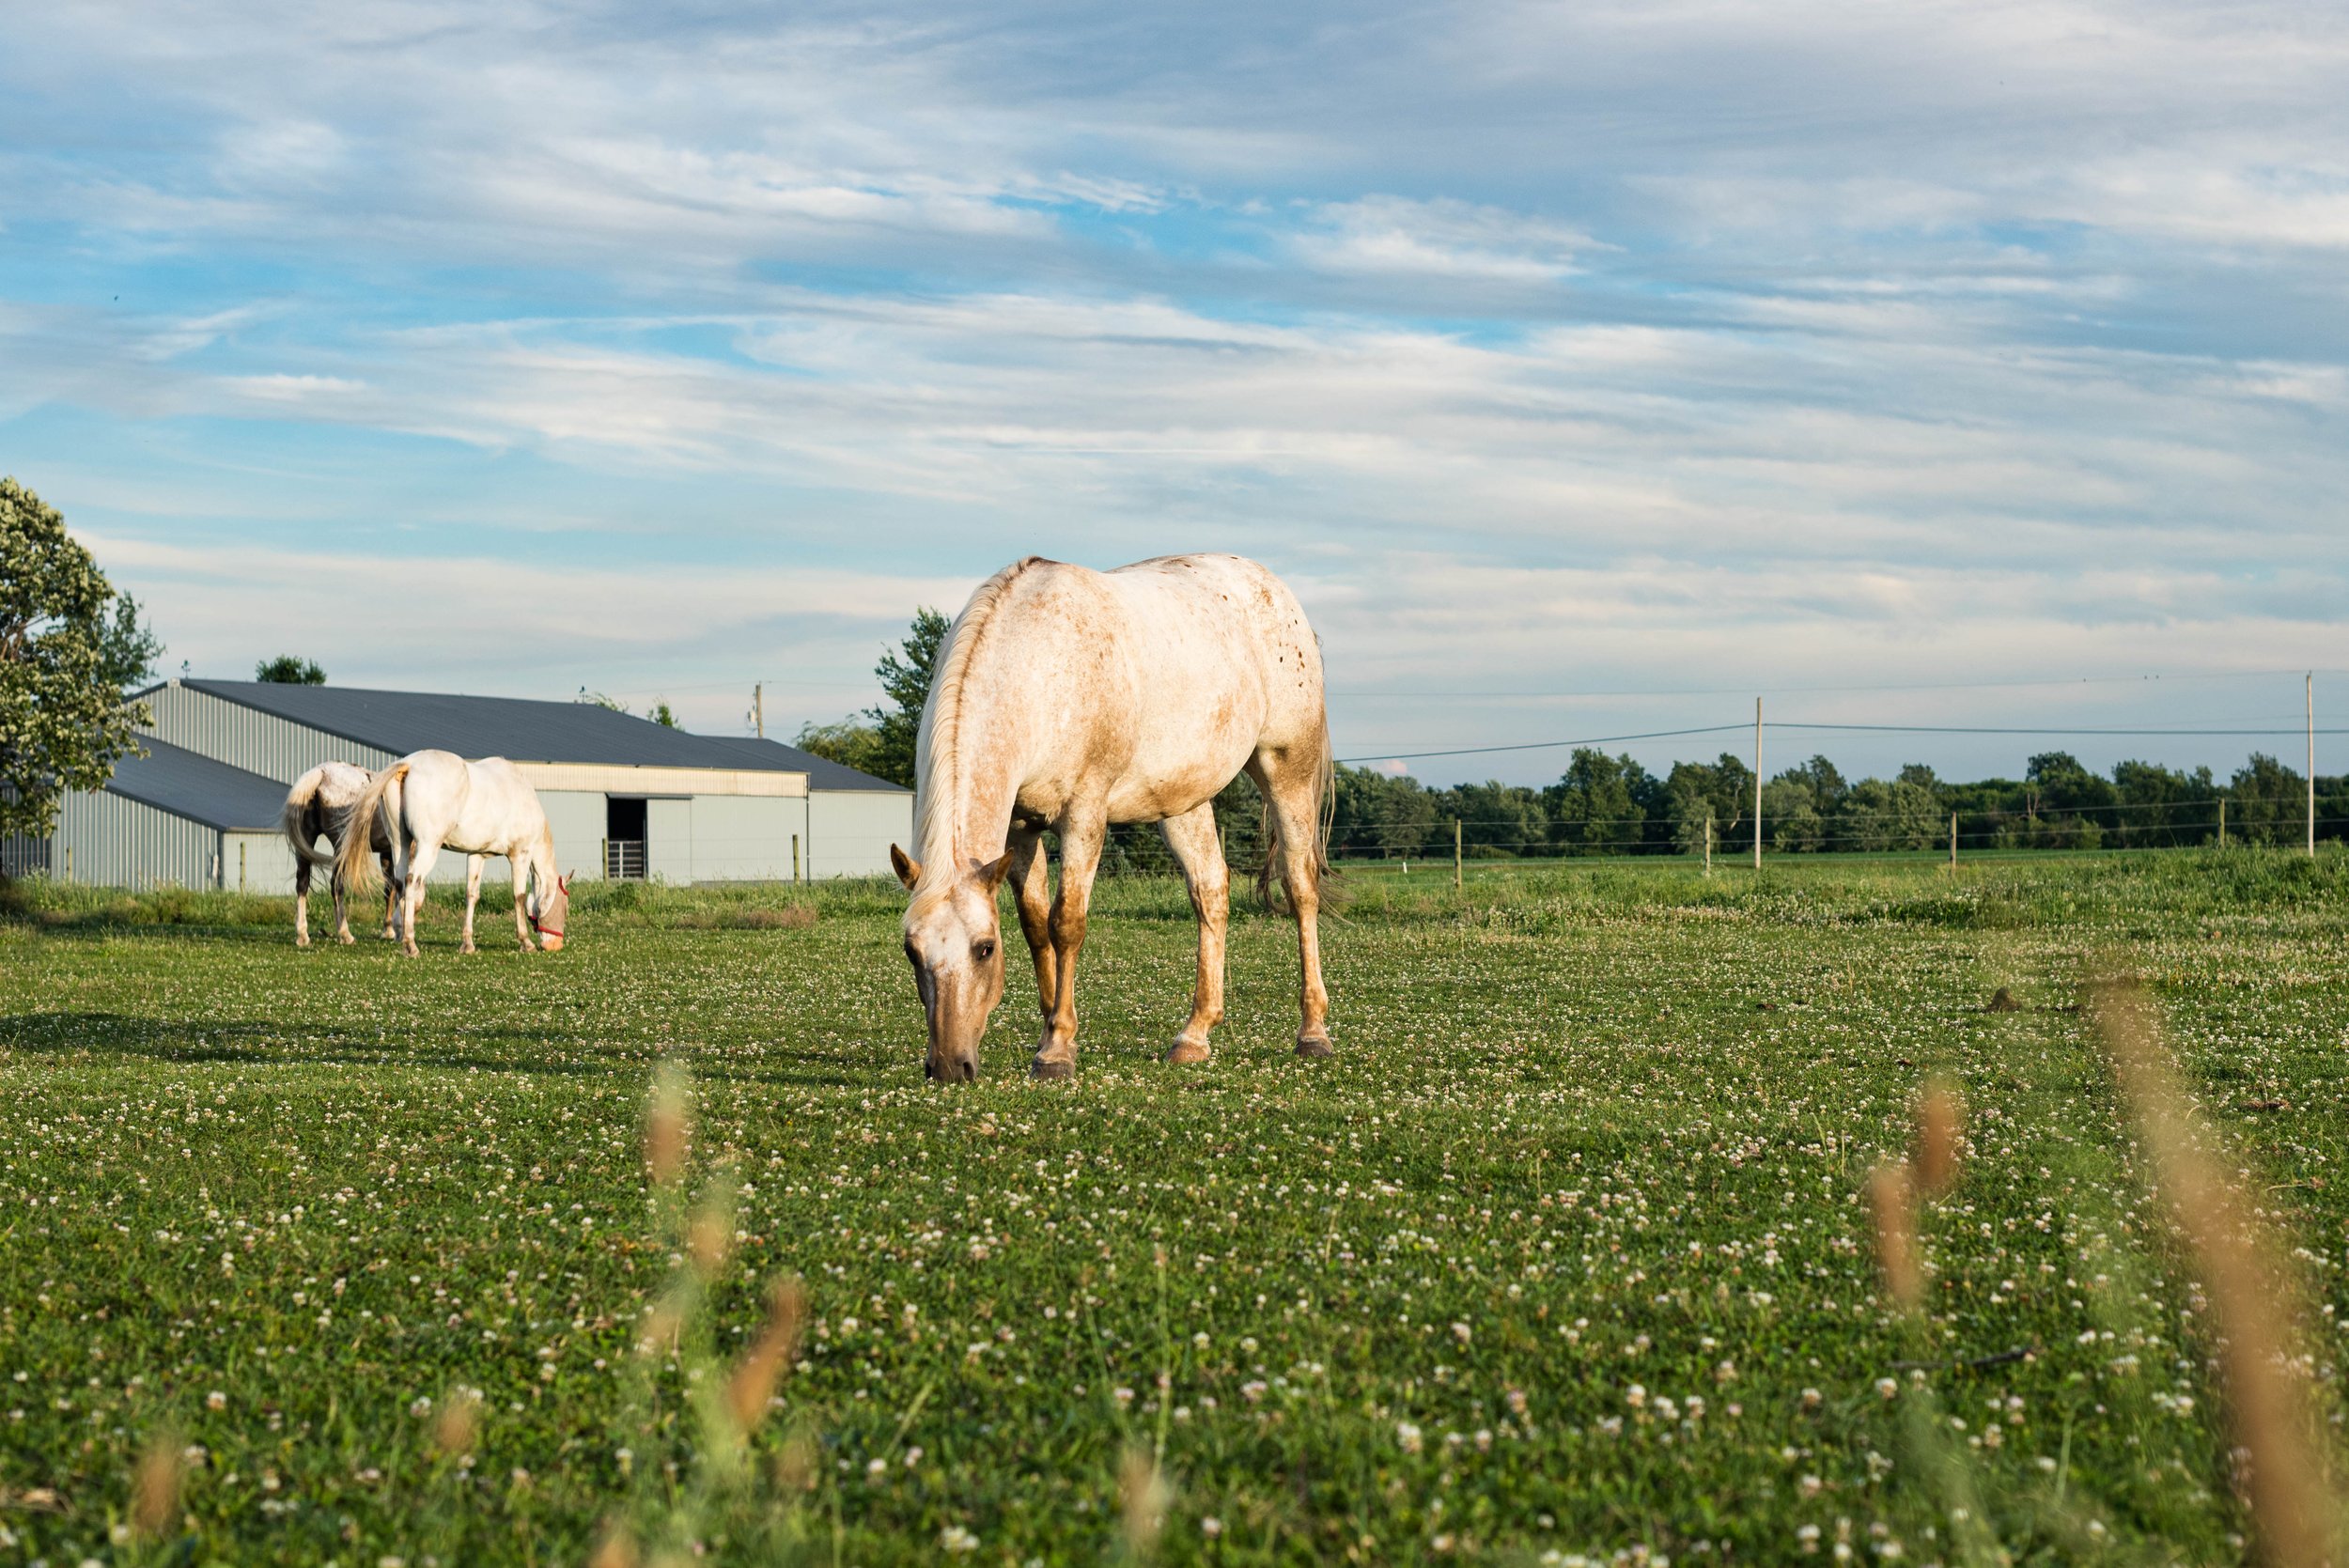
(627, 798)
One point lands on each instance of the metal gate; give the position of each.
(624, 860)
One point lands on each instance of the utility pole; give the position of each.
(2311, 762)
(758, 709)
(1757, 783)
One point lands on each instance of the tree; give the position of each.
(905, 682)
(599, 699)
(287, 670)
(1598, 806)
(63, 666)
(846, 742)
(662, 714)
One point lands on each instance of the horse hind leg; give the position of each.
(1192, 838)
(1290, 783)
(394, 892)
(301, 901)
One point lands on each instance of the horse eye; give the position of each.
(982, 951)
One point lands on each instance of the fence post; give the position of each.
(1455, 854)
(1709, 843)
(2311, 762)
(1757, 783)
(795, 858)
(2222, 822)
(1952, 841)
(240, 849)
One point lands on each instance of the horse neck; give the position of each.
(966, 797)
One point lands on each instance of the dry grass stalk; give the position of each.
(771, 1355)
(2249, 1291)
(1893, 1199)
(459, 1423)
(708, 1239)
(1941, 1138)
(667, 1130)
(1143, 1490)
(617, 1549)
(155, 1491)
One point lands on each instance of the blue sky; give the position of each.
(1586, 369)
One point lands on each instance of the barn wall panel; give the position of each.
(577, 820)
(111, 841)
(745, 840)
(850, 831)
(669, 841)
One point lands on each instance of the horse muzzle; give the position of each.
(951, 1069)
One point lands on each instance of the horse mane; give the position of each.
(938, 746)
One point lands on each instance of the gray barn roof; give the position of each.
(515, 727)
(190, 784)
(822, 772)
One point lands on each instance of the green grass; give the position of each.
(1592, 1153)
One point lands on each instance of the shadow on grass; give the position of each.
(125, 1036)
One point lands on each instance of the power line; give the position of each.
(1540, 745)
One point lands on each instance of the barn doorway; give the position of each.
(624, 838)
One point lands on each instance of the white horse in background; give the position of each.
(430, 801)
(1067, 699)
(319, 806)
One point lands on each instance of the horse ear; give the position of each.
(908, 869)
(991, 875)
(564, 882)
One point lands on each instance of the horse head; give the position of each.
(550, 913)
(954, 942)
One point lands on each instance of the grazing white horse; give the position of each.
(430, 801)
(319, 806)
(1067, 699)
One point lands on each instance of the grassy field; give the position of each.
(1564, 1257)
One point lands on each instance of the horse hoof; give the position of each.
(1316, 1046)
(303, 940)
(467, 947)
(348, 940)
(1187, 1051)
(1051, 1070)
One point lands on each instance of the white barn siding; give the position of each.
(849, 830)
(264, 861)
(248, 739)
(740, 838)
(577, 820)
(669, 840)
(109, 840)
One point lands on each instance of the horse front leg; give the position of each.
(1192, 838)
(522, 913)
(1291, 783)
(1081, 836)
(473, 897)
(1031, 891)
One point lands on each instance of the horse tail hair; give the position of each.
(354, 859)
(295, 820)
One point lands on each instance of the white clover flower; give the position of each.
(1408, 1436)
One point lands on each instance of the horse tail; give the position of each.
(295, 820)
(1270, 888)
(354, 859)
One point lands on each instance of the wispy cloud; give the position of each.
(1777, 339)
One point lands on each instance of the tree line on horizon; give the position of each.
(1614, 805)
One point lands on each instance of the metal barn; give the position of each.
(627, 798)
